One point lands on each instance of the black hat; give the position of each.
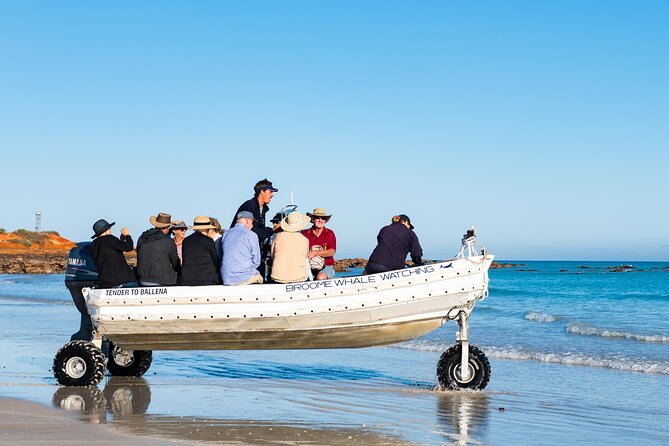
(402, 217)
(264, 184)
(101, 226)
(277, 218)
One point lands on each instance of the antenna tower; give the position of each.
(38, 221)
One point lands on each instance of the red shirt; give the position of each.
(327, 240)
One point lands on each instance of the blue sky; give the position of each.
(543, 123)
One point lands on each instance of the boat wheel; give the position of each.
(79, 363)
(128, 362)
(449, 368)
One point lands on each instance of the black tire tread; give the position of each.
(88, 352)
(138, 367)
(482, 372)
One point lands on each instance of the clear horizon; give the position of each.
(543, 124)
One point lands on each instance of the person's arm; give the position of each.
(125, 241)
(415, 249)
(255, 251)
(174, 256)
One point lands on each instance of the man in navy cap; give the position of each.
(263, 193)
(241, 252)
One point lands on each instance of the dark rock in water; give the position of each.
(497, 265)
(620, 268)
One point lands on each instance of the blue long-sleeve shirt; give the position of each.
(241, 255)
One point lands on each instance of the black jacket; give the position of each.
(107, 252)
(394, 242)
(259, 228)
(201, 264)
(157, 258)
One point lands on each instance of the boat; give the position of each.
(344, 312)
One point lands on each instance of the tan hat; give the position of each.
(161, 221)
(319, 212)
(202, 222)
(294, 222)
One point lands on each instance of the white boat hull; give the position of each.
(345, 312)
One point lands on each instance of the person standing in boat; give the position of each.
(241, 253)
(178, 232)
(289, 250)
(322, 245)
(157, 259)
(394, 242)
(201, 264)
(107, 252)
(263, 192)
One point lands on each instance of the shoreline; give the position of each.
(31, 424)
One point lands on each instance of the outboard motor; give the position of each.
(80, 273)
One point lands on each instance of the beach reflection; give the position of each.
(124, 402)
(120, 398)
(463, 416)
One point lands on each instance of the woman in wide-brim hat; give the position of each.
(289, 250)
(201, 262)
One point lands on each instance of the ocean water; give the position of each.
(579, 353)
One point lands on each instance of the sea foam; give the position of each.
(580, 328)
(566, 358)
(543, 318)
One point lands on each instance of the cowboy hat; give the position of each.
(101, 226)
(202, 222)
(319, 212)
(161, 220)
(295, 221)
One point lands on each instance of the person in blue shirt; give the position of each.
(241, 252)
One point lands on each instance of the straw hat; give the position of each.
(202, 222)
(161, 220)
(295, 221)
(319, 212)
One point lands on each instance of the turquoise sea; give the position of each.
(579, 353)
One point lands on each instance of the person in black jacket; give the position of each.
(201, 263)
(157, 260)
(107, 252)
(394, 242)
(263, 194)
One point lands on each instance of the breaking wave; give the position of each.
(580, 328)
(567, 358)
(543, 318)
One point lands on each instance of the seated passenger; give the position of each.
(201, 263)
(107, 252)
(394, 242)
(322, 245)
(241, 253)
(157, 259)
(178, 231)
(289, 250)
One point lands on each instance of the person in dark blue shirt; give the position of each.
(394, 242)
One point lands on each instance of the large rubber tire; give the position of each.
(448, 369)
(128, 362)
(79, 363)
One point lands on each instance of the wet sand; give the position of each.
(26, 424)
